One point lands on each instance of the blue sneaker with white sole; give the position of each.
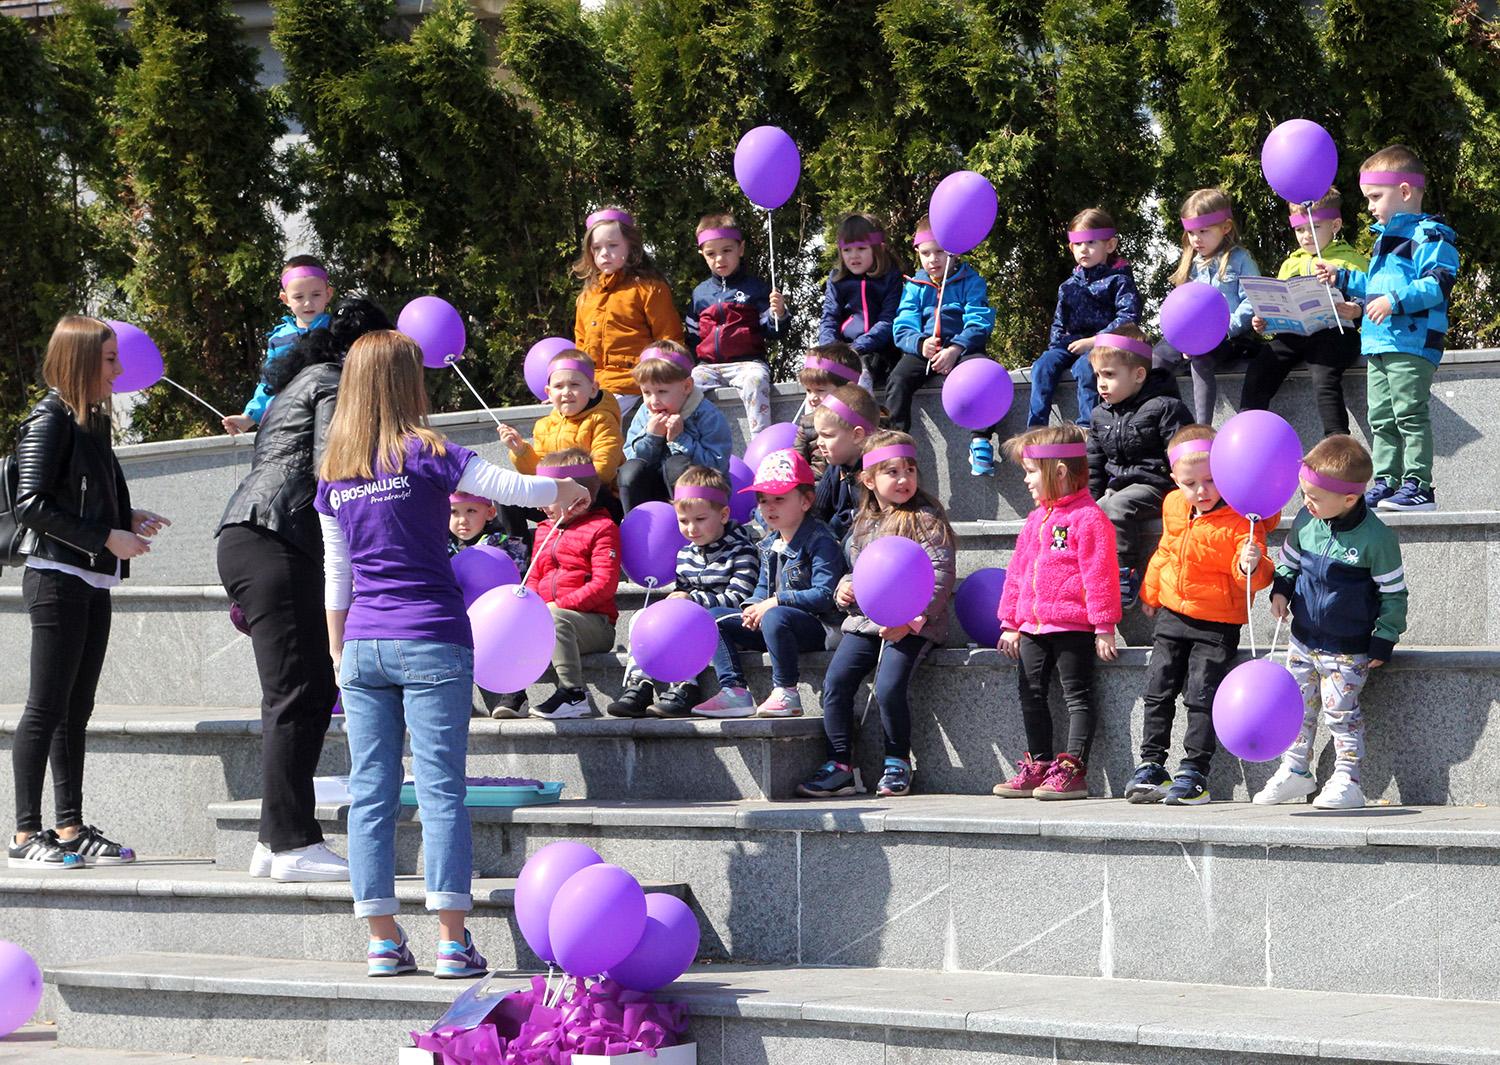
(981, 457)
(390, 957)
(457, 961)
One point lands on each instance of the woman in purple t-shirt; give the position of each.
(400, 637)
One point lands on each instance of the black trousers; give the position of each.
(1327, 354)
(1071, 656)
(642, 481)
(856, 655)
(909, 374)
(1188, 658)
(280, 589)
(69, 634)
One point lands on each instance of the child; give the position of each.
(305, 292)
(1328, 352)
(679, 428)
(1098, 297)
(733, 314)
(715, 569)
(1195, 588)
(861, 298)
(472, 521)
(1406, 291)
(1058, 609)
(845, 420)
(894, 505)
(1212, 253)
(935, 343)
(1341, 579)
(1138, 413)
(824, 368)
(625, 304)
(577, 571)
(790, 611)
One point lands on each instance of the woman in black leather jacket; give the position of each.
(271, 563)
(80, 532)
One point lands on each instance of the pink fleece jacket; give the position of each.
(1065, 574)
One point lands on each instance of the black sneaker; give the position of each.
(566, 703)
(1130, 588)
(1149, 784)
(95, 848)
(42, 850)
(1189, 788)
(831, 781)
(676, 701)
(634, 701)
(505, 705)
(895, 778)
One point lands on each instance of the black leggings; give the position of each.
(1327, 353)
(855, 656)
(69, 635)
(642, 480)
(911, 373)
(1071, 656)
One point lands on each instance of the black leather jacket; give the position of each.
(277, 493)
(71, 492)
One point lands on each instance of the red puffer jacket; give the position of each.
(579, 568)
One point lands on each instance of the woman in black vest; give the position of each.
(271, 564)
(79, 533)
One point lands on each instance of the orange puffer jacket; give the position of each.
(617, 318)
(1195, 570)
(595, 429)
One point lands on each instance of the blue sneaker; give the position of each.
(1379, 492)
(831, 781)
(1189, 788)
(1130, 588)
(390, 957)
(458, 961)
(1410, 496)
(895, 779)
(1148, 785)
(981, 457)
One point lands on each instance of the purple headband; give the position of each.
(1330, 484)
(729, 233)
(838, 369)
(1130, 344)
(1392, 177)
(1203, 221)
(1322, 214)
(680, 361)
(1079, 236)
(1188, 447)
(848, 414)
(875, 237)
(296, 272)
(922, 236)
(1079, 450)
(699, 491)
(609, 214)
(571, 364)
(582, 469)
(885, 454)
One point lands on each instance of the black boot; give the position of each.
(633, 701)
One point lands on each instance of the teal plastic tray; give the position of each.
(491, 795)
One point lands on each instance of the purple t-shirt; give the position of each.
(397, 529)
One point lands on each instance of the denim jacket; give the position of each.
(804, 572)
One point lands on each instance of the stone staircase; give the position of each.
(946, 927)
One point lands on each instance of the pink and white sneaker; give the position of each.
(782, 702)
(1065, 780)
(1029, 776)
(729, 702)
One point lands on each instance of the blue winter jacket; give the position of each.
(1092, 301)
(731, 318)
(1241, 264)
(967, 318)
(803, 572)
(282, 338)
(1415, 264)
(705, 436)
(862, 310)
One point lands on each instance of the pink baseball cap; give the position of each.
(781, 472)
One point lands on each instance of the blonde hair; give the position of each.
(637, 262)
(1397, 157)
(382, 405)
(857, 400)
(703, 477)
(717, 220)
(573, 456)
(662, 371)
(1206, 201)
(1341, 456)
(1104, 354)
(1185, 434)
(908, 519)
(74, 365)
(1060, 477)
(856, 228)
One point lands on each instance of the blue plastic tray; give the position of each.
(492, 795)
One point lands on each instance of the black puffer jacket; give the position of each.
(1128, 440)
(71, 492)
(277, 493)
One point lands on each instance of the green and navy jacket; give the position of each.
(1346, 583)
(1415, 264)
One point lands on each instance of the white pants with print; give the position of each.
(751, 379)
(1330, 684)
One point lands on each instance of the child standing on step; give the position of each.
(894, 505)
(1341, 580)
(845, 420)
(1059, 608)
(1195, 587)
(305, 293)
(861, 298)
(824, 368)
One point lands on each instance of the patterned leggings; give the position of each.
(1330, 684)
(751, 379)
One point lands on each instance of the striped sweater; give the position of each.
(722, 573)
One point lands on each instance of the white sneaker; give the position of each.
(308, 864)
(1340, 793)
(782, 702)
(260, 861)
(1285, 785)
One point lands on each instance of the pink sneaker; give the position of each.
(730, 702)
(782, 702)
(1029, 776)
(1064, 780)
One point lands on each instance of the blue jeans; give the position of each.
(894, 664)
(785, 632)
(390, 687)
(1047, 371)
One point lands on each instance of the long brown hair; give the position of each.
(1206, 201)
(382, 405)
(74, 365)
(908, 519)
(637, 262)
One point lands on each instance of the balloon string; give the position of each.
(771, 244)
(1249, 595)
(1319, 252)
(650, 583)
(452, 360)
(937, 315)
(195, 395)
(1271, 652)
(536, 554)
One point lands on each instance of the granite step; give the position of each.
(751, 1015)
(1241, 895)
(36, 1044)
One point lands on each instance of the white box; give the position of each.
(683, 1054)
(331, 789)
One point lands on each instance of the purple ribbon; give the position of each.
(1322, 214)
(1083, 236)
(727, 233)
(1203, 221)
(609, 214)
(1392, 177)
(303, 271)
(922, 236)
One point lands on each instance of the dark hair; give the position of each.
(348, 320)
(304, 260)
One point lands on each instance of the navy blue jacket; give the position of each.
(837, 499)
(731, 318)
(1092, 301)
(861, 310)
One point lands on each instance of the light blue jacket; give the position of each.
(1415, 263)
(967, 318)
(1240, 264)
(282, 338)
(705, 436)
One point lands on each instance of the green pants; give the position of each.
(578, 634)
(1400, 426)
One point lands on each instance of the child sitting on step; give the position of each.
(679, 427)
(824, 368)
(845, 420)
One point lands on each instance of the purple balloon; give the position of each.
(1258, 710)
(543, 875)
(893, 580)
(141, 364)
(673, 640)
(962, 211)
(436, 326)
(767, 166)
(1195, 318)
(668, 945)
(741, 507)
(20, 987)
(977, 604)
(513, 638)
(482, 567)
(777, 437)
(597, 919)
(1255, 460)
(537, 358)
(977, 393)
(649, 541)
(1299, 160)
